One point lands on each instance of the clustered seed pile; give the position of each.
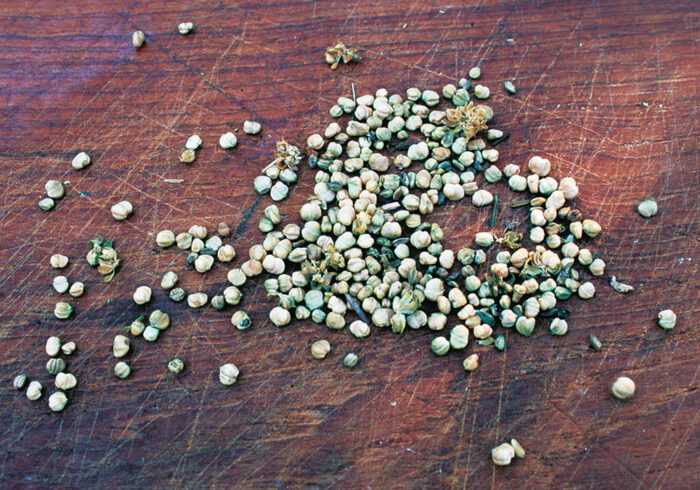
(366, 244)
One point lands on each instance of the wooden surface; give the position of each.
(70, 81)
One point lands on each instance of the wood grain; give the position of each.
(71, 81)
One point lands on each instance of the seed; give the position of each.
(482, 198)
(193, 142)
(187, 156)
(203, 263)
(122, 370)
(228, 374)
(58, 401)
(65, 381)
(474, 72)
(481, 92)
(648, 208)
(54, 189)
(262, 184)
(138, 38)
(121, 210)
(667, 319)
(76, 289)
(159, 320)
(197, 300)
(19, 381)
(320, 349)
(623, 388)
(165, 238)
(471, 362)
(586, 290)
(151, 333)
(440, 346)
(251, 127)
(503, 454)
(183, 241)
(177, 294)
(46, 204)
(517, 448)
(53, 346)
(68, 348)
(185, 28)
(176, 366)
(510, 88)
(591, 228)
(55, 365)
(558, 327)
(142, 295)
(120, 346)
(279, 316)
(350, 360)
(241, 320)
(228, 141)
(500, 343)
(279, 191)
(60, 284)
(81, 160)
(62, 310)
(358, 328)
(595, 342)
(169, 280)
(459, 337)
(34, 390)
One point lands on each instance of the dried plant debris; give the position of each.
(339, 52)
(103, 256)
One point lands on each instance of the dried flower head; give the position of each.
(340, 52)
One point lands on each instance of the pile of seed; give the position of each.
(367, 245)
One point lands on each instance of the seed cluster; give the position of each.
(284, 167)
(103, 256)
(366, 243)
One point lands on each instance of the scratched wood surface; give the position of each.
(608, 91)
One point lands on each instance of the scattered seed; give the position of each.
(320, 349)
(595, 342)
(228, 374)
(19, 381)
(138, 38)
(228, 141)
(80, 161)
(58, 401)
(510, 88)
(122, 370)
(176, 366)
(623, 388)
(667, 319)
(185, 28)
(647, 208)
(350, 360)
(619, 286)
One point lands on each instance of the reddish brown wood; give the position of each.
(71, 81)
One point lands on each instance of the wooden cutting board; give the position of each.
(607, 91)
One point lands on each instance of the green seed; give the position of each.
(595, 342)
(350, 360)
(510, 88)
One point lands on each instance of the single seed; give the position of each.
(165, 238)
(121, 210)
(122, 370)
(81, 160)
(58, 401)
(169, 280)
(68, 348)
(320, 349)
(138, 38)
(228, 374)
(120, 346)
(65, 381)
(510, 88)
(595, 342)
(517, 448)
(61, 284)
(159, 320)
(503, 454)
(474, 72)
(350, 360)
(76, 289)
(623, 388)
(251, 127)
(19, 381)
(228, 141)
(193, 142)
(667, 319)
(55, 365)
(619, 286)
(648, 208)
(54, 189)
(151, 333)
(240, 320)
(34, 390)
(142, 295)
(59, 261)
(176, 366)
(46, 204)
(62, 310)
(53, 346)
(471, 362)
(185, 28)
(187, 156)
